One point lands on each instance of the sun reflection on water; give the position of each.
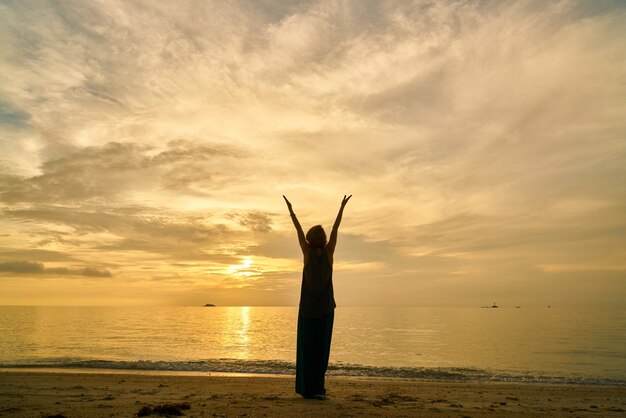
(236, 333)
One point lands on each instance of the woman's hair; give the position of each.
(316, 237)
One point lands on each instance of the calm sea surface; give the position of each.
(557, 345)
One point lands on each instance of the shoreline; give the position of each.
(123, 393)
(425, 375)
(86, 370)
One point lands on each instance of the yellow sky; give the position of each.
(145, 146)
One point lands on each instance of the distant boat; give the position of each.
(208, 305)
(518, 307)
(494, 305)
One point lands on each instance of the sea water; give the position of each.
(503, 344)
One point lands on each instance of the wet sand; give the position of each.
(43, 394)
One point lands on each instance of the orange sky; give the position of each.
(145, 146)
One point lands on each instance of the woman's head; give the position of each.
(316, 237)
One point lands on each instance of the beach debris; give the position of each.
(144, 411)
(168, 409)
(56, 416)
(393, 398)
(614, 409)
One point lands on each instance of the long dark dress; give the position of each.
(315, 323)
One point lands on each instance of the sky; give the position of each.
(145, 147)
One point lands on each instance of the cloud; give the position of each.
(21, 267)
(115, 169)
(36, 253)
(559, 268)
(33, 267)
(87, 272)
(136, 228)
(480, 139)
(12, 117)
(256, 221)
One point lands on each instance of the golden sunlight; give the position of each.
(244, 269)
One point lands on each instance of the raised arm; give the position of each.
(332, 241)
(301, 238)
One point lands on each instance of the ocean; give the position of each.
(554, 345)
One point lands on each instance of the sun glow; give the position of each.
(244, 269)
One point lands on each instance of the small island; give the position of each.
(208, 305)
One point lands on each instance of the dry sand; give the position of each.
(43, 394)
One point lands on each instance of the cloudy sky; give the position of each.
(145, 146)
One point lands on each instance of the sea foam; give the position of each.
(278, 367)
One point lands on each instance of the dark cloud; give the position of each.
(172, 235)
(33, 267)
(22, 254)
(109, 171)
(87, 272)
(256, 221)
(22, 267)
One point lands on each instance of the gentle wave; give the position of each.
(334, 369)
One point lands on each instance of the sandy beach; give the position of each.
(119, 394)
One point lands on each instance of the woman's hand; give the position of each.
(301, 238)
(288, 204)
(332, 242)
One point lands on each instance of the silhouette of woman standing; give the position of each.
(317, 305)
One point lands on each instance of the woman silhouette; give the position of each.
(317, 305)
